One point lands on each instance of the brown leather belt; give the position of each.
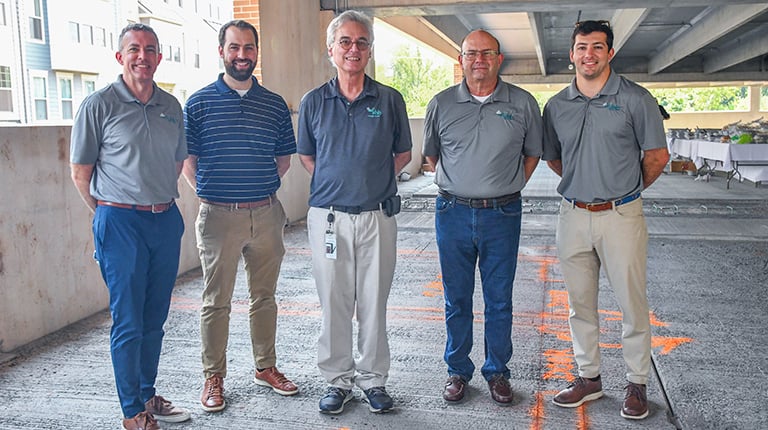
(242, 205)
(603, 206)
(156, 208)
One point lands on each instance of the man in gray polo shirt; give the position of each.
(604, 136)
(483, 137)
(127, 149)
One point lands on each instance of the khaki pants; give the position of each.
(223, 235)
(356, 283)
(618, 240)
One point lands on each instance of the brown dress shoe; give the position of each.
(455, 387)
(213, 394)
(501, 392)
(271, 377)
(635, 405)
(142, 421)
(580, 391)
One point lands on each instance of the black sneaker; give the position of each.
(378, 400)
(334, 400)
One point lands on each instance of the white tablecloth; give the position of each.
(721, 156)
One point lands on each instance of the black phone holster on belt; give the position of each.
(391, 206)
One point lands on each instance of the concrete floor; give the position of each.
(708, 259)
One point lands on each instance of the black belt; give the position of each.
(353, 210)
(482, 203)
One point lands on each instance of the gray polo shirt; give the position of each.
(600, 140)
(353, 143)
(481, 145)
(135, 147)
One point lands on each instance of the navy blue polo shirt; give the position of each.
(353, 143)
(236, 140)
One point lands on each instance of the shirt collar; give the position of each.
(331, 89)
(611, 87)
(499, 94)
(125, 94)
(223, 88)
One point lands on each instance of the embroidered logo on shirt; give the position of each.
(504, 115)
(611, 106)
(170, 119)
(373, 112)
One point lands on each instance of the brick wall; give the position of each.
(248, 10)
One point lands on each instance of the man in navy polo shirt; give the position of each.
(240, 141)
(354, 137)
(127, 149)
(604, 136)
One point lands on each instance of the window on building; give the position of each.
(86, 34)
(3, 19)
(764, 98)
(89, 86)
(40, 94)
(177, 54)
(99, 37)
(36, 20)
(74, 32)
(65, 96)
(6, 90)
(197, 53)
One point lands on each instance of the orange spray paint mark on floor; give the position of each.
(537, 413)
(434, 288)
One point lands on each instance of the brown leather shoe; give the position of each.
(455, 387)
(271, 377)
(580, 391)
(501, 391)
(213, 394)
(142, 421)
(635, 405)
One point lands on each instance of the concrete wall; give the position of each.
(48, 278)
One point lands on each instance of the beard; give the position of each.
(239, 74)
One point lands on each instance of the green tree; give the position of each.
(417, 78)
(703, 99)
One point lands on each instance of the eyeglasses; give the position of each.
(591, 23)
(487, 54)
(361, 44)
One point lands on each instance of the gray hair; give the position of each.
(345, 17)
(136, 27)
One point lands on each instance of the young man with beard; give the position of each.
(240, 140)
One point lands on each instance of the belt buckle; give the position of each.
(156, 211)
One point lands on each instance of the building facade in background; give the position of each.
(53, 53)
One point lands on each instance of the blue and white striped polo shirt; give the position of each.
(236, 140)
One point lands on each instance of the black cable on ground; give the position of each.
(670, 411)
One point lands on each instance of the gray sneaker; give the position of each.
(580, 391)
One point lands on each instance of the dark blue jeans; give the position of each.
(490, 239)
(138, 254)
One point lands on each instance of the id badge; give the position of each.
(330, 244)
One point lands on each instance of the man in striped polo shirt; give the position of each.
(240, 144)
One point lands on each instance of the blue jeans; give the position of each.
(466, 236)
(138, 254)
